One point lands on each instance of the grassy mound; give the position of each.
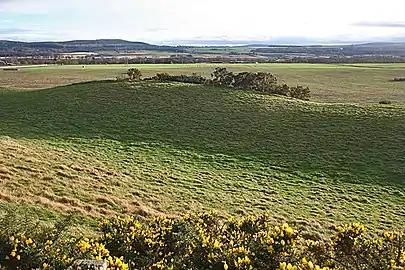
(103, 148)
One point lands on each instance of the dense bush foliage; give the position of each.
(202, 241)
(260, 81)
(26, 245)
(194, 78)
(134, 74)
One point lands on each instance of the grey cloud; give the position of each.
(157, 29)
(380, 24)
(14, 31)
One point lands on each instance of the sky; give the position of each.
(200, 21)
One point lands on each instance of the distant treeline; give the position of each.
(347, 50)
(194, 60)
(49, 49)
(113, 51)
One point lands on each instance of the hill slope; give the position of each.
(101, 148)
(17, 48)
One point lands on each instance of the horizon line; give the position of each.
(210, 43)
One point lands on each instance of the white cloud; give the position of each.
(187, 19)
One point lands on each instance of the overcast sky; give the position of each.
(160, 21)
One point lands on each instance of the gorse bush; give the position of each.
(260, 81)
(194, 78)
(134, 74)
(203, 241)
(28, 245)
(222, 77)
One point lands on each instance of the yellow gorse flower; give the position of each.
(235, 243)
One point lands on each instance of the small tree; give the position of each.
(134, 74)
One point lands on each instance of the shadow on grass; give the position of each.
(300, 136)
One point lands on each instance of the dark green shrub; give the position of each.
(299, 92)
(222, 77)
(282, 89)
(161, 77)
(264, 82)
(260, 81)
(194, 79)
(134, 74)
(243, 80)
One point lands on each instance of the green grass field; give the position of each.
(359, 83)
(105, 148)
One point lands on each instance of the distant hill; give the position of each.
(108, 47)
(17, 48)
(380, 48)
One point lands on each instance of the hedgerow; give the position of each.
(202, 241)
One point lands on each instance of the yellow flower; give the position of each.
(18, 257)
(84, 246)
(289, 231)
(226, 266)
(29, 241)
(12, 254)
(44, 266)
(217, 245)
(283, 266)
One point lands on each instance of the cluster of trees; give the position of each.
(257, 81)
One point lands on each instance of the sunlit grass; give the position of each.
(354, 83)
(104, 148)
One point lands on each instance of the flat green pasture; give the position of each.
(354, 83)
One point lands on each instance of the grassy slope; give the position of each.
(366, 83)
(104, 148)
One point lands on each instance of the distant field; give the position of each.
(355, 83)
(103, 148)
